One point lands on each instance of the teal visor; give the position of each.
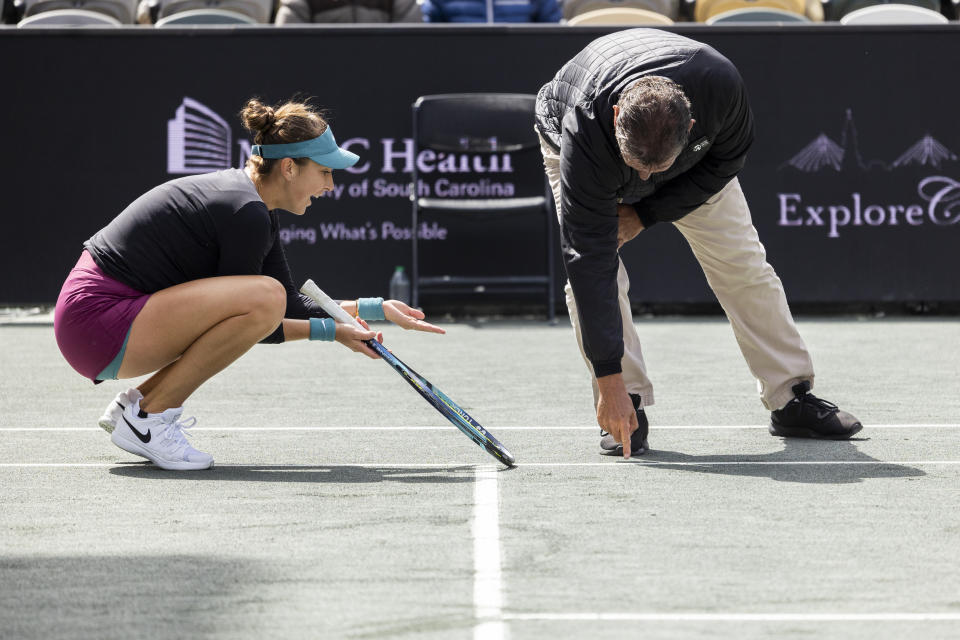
(322, 150)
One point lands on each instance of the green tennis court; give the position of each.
(343, 506)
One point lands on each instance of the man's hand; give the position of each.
(615, 412)
(629, 224)
(407, 317)
(352, 338)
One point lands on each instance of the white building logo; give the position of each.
(198, 140)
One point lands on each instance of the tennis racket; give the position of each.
(447, 407)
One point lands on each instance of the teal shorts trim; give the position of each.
(110, 373)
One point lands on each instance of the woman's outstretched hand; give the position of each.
(407, 317)
(353, 338)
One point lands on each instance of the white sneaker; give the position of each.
(160, 438)
(108, 421)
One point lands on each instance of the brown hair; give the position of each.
(285, 123)
(654, 121)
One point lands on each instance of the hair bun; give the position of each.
(257, 117)
(269, 118)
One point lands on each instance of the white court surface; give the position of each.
(341, 507)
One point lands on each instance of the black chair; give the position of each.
(479, 128)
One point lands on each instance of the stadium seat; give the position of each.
(619, 16)
(836, 9)
(759, 14)
(706, 9)
(259, 10)
(669, 8)
(8, 13)
(893, 14)
(205, 16)
(69, 18)
(492, 130)
(121, 10)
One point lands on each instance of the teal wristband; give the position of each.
(370, 308)
(323, 329)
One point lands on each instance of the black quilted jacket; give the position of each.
(575, 115)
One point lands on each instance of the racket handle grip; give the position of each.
(315, 293)
(377, 348)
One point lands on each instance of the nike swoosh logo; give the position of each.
(144, 438)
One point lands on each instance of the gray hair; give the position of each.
(654, 122)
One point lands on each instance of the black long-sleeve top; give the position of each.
(196, 227)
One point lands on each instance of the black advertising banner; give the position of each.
(853, 182)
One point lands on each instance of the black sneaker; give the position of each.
(638, 439)
(807, 416)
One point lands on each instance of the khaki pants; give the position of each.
(725, 243)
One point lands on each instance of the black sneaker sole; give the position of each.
(803, 432)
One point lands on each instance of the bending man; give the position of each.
(642, 127)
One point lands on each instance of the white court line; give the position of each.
(736, 617)
(40, 465)
(487, 586)
(462, 465)
(733, 463)
(498, 428)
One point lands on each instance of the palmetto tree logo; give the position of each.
(927, 152)
(825, 154)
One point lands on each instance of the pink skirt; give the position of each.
(93, 317)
